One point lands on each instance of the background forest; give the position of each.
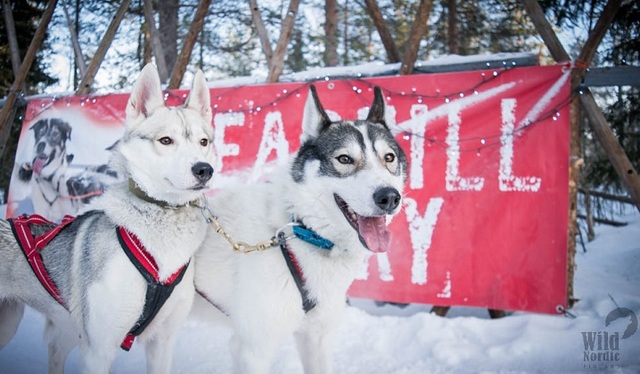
(243, 39)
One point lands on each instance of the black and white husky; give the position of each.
(47, 172)
(331, 206)
(108, 271)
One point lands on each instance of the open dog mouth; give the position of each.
(39, 163)
(372, 231)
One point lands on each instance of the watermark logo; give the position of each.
(602, 348)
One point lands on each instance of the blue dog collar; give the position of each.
(311, 237)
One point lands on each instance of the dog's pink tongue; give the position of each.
(374, 232)
(38, 164)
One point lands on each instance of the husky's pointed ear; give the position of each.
(146, 95)
(314, 120)
(377, 111)
(199, 98)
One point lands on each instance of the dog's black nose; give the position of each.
(202, 171)
(387, 199)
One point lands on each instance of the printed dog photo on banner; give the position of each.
(61, 161)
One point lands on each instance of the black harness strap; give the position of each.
(157, 292)
(294, 267)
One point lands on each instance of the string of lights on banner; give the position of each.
(358, 85)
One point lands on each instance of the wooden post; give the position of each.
(13, 41)
(496, 313)
(262, 31)
(77, 51)
(87, 80)
(545, 30)
(593, 41)
(7, 112)
(277, 61)
(189, 41)
(611, 146)
(385, 35)
(575, 162)
(331, 33)
(157, 49)
(417, 30)
(440, 310)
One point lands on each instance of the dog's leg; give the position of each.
(314, 342)
(257, 338)
(61, 342)
(11, 312)
(159, 349)
(98, 357)
(252, 357)
(159, 353)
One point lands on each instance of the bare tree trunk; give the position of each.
(13, 40)
(452, 26)
(168, 31)
(147, 53)
(8, 109)
(277, 61)
(262, 31)
(417, 30)
(345, 38)
(77, 51)
(189, 41)
(385, 35)
(85, 85)
(156, 44)
(331, 33)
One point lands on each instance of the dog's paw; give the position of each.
(25, 172)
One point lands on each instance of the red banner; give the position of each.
(486, 206)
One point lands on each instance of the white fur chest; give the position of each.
(170, 235)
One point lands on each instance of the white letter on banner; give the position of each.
(221, 121)
(273, 138)
(454, 182)
(507, 181)
(416, 126)
(421, 231)
(384, 268)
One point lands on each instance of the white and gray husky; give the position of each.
(110, 269)
(327, 209)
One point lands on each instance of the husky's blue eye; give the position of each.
(204, 142)
(389, 157)
(344, 159)
(165, 140)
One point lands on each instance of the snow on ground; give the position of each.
(389, 339)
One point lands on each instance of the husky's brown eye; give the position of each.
(165, 140)
(389, 157)
(344, 159)
(204, 142)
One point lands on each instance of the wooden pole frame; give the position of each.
(84, 88)
(156, 44)
(189, 42)
(8, 109)
(603, 131)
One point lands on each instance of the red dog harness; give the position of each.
(31, 247)
(157, 292)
